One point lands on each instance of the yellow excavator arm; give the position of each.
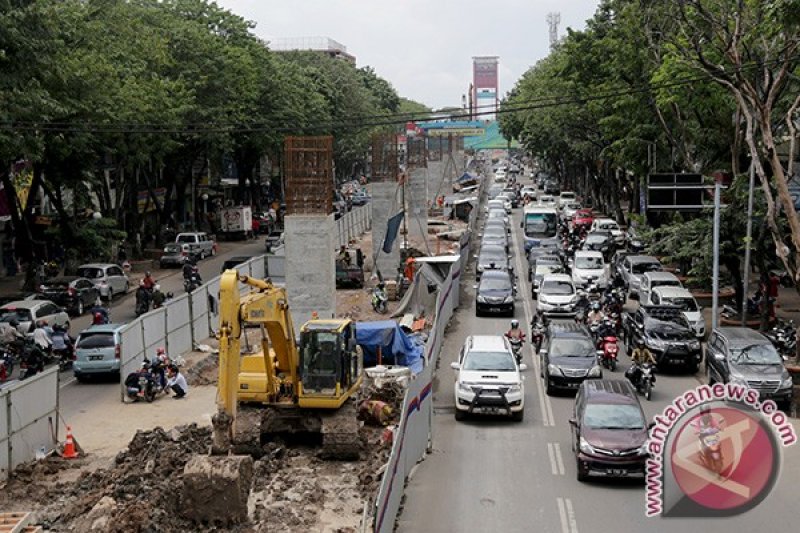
(266, 305)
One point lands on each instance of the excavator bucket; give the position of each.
(216, 489)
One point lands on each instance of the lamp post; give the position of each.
(204, 197)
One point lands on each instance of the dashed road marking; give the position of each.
(556, 459)
(567, 515)
(545, 405)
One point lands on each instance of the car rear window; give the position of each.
(172, 248)
(56, 284)
(96, 340)
(186, 238)
(90, 272)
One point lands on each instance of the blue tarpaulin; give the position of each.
(397, 348)
(392, 227)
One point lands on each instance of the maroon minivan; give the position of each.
(609, 430)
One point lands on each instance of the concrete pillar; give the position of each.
(385, 203)
(435, 169)
(417, 201)
(310, 266)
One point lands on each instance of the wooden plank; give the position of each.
(15, 522)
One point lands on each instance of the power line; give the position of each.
(355, 122)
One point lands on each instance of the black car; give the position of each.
(495, 293)
(665, 331)
(74, 294)
(492, 257)
(568, 356)
(600, 241)
(551, 187)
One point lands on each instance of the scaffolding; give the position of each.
(308, 170)
(385, 157)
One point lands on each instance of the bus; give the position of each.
(540, 227)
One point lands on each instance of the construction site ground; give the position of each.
(129, 475)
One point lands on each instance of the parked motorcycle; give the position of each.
(711, 452)
(379, 299)
(141, 386)
(783, 336)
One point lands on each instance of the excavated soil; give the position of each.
(292, 490)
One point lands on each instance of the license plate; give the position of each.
(572, 385)
(615, 472)
(676, 361)
(490, 410)
(95, 358)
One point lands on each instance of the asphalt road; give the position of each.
(80, 397)
(489, 474)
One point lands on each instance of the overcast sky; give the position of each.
(423, 47)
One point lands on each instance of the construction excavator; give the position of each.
(306, 390)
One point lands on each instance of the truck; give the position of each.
(236, 222)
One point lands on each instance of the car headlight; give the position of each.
(508, 299)
(643, 449)
(465, 387)
(787, 383)
(738, 380)
(515, 389)
(585, 447)
(553, 369)
(694, 345)
(595, 372)
(481, 299)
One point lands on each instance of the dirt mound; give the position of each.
(293, 489)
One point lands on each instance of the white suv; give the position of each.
(488, 379)
(588, 267)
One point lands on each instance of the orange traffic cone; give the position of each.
(69, 446)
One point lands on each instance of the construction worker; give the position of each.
(343, 255)
(176, 382)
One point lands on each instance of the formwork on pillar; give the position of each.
(308, 169)
(385, 157)
(417, 153)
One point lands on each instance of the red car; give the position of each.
(582, 217)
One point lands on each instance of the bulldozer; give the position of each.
(291, 389)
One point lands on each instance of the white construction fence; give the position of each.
(28, 419)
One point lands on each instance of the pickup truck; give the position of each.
(197, 243)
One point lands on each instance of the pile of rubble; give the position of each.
(292, 489)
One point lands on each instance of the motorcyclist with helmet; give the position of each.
(515, 332)
(596, 315)
(62, 344)
(132, 381)
(148, 282)
(158, 367)
(640, 356)
(10, 335)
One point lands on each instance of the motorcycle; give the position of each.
(7, 359)
(783, 336)
(140, 387)
(143, 299)
(644, 384)
(711, 452)
(32, 360)
(379, 300)
(609, 348)
(65, 358)
(192, 282)
(516, 346)
(537, 334)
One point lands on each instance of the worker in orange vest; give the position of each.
(409, 270)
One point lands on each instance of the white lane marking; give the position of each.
(562, 513)
(573, 523)
(559, 458)
(68, 382)
(551, 454)
(567, 515)
(545, 405)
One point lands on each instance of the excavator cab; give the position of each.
(330, 363)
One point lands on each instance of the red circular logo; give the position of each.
(723, 458)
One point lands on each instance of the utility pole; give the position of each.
(715, 272)
(748, 240)
(553, 20)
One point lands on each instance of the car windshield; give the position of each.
(687, 304)
(589, 262)
(492, 256)
(613, 416)
(567, 195)
(20, 315)
(755, 354)
(494, 231)
(499, 361)
(641, 268)
(495, 284)
(557, 287)
(665, 283)
(542, 270)
(572, 348)
(90, 272)
(608, 226)
(96, 340)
